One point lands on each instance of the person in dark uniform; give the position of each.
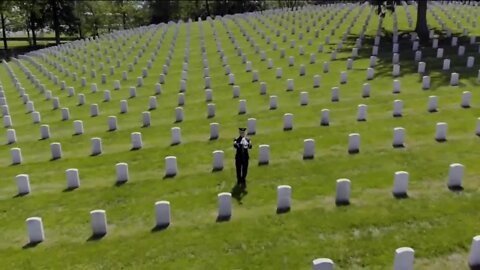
(242, 144)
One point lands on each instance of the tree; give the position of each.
(421, 27)
(34, 13)
(163, 10)
(59, 15)
(5, 7)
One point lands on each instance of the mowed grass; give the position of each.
(437, 223)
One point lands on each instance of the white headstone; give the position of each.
(353, 143)
(116, 85)
(421, 67)
(236, 91)
(362, 112)
(44, 132)
(73, 178)
(133, 92)
(23, 184)
(176, 135)
(158, 89)
(278, 73)
(326, 67)
(441, 132)
(343, 77)
(35, 230)
(210, 110)
(7, 121)
(342, 192)
(398, 137)
(322, 264)
(214, 131)
(162, 214)
(78, 127)
(30, 106)
(404, 258)
(208, 95)
(418, 56)
(181, 99)
(316, 81)
(122, 172)
(466, 97)
(335, 94)
(81, 99)
(36, 117)
(284, 198)
(288, 121)
(455, 176)
(325, 117)
(11, 136)
(224, 206)
(396, 86)
(290, 85)
(470, 61)
(242, 106)
(65, 114)
(16, 156)
(461, 50)
(231, 79)
(98, 221)
(264, 154)
(136, 138)
(56, 149)
(308, 149)
(251, 126)
(303, 70)
(474, 256)
(370, 73)
(397, 108)
(170, 166)
(432, 103)
(400, 184)
(208, 82)
(112, 123)
(106, 96)
(426, 82)
(218, 156)
(440, 53)
(446, 64)
(152, 103)
(303, 98)
(96, 146)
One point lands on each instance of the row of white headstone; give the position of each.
(309, 144)
(404, 258)
(284, 192)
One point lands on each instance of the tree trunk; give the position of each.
(56, 23)
(421, 27)
(124, 20)
(207, 7)
(32, 28)
(80, 33)
(28, 37)
(5, 45)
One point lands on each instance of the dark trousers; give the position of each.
(241, 165)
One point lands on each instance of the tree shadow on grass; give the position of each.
(238, 192)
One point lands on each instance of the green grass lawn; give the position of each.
(437, 223)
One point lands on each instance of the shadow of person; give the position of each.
(238, 192)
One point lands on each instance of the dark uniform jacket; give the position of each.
(242, 152)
